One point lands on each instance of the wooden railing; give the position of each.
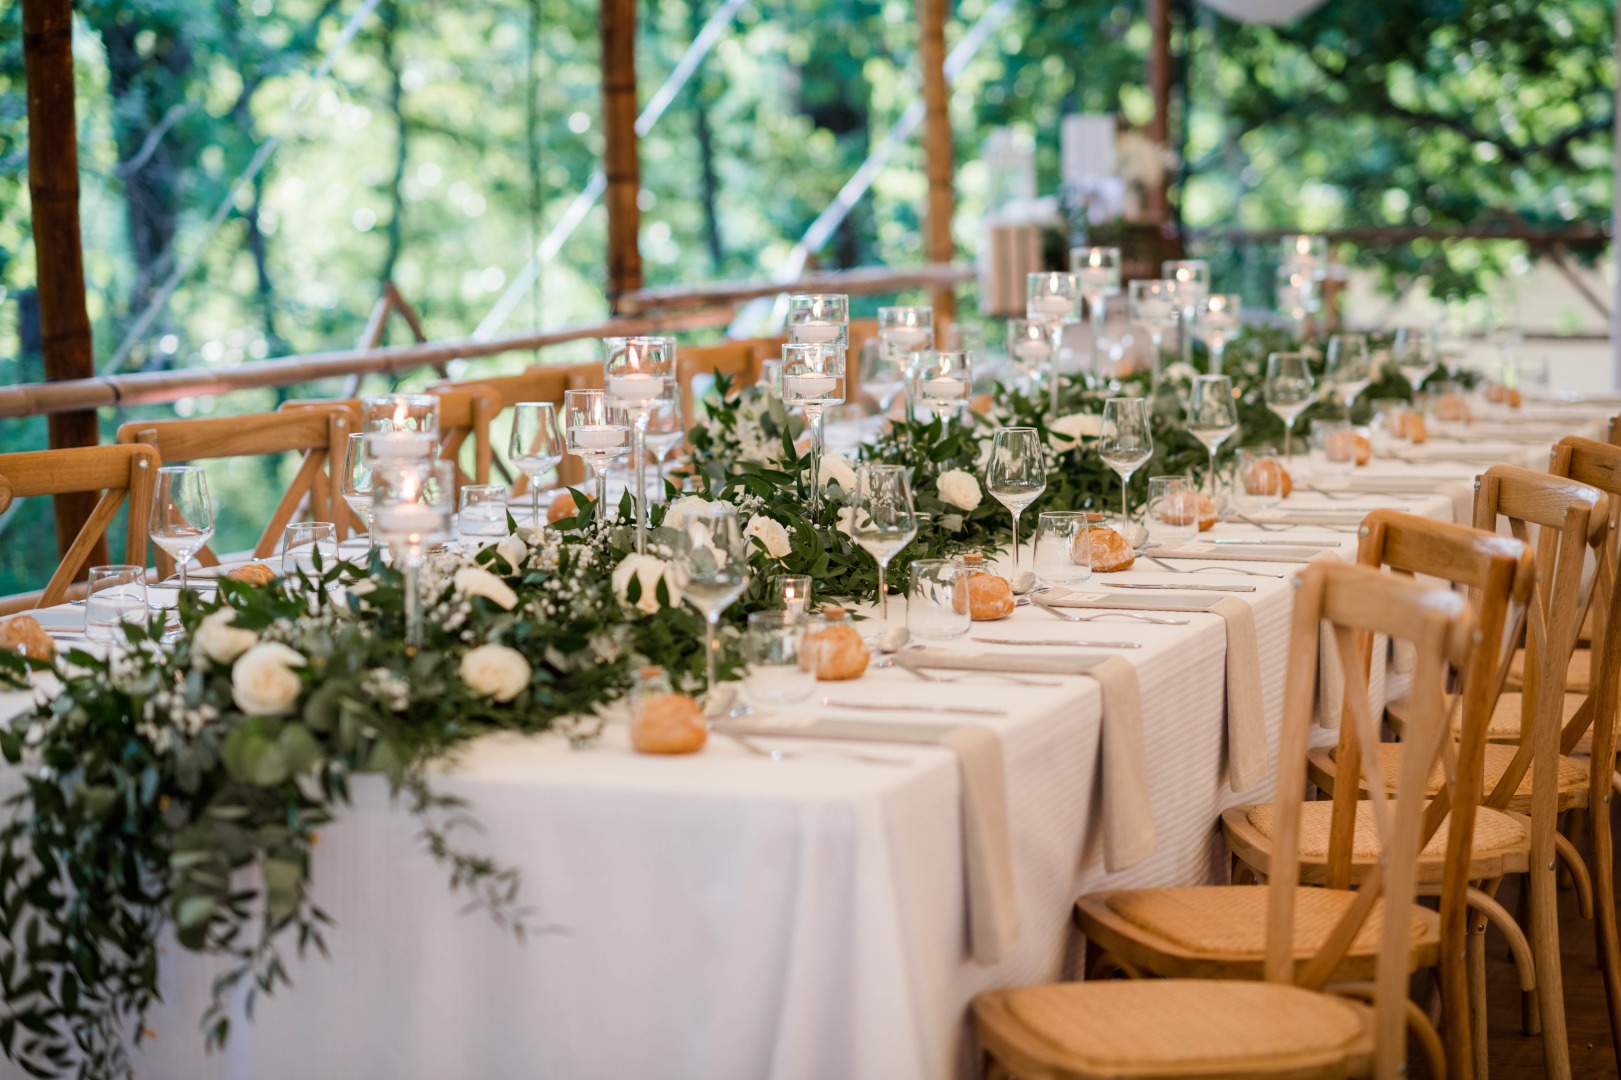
(707, 306)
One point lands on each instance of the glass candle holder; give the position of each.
(819, 319)
(638, 372)
(413, 503)
(903, 333)
(401, 413)
(813, 379)
(795, 592)
(945, 380)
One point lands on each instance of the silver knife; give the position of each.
(1179, 588)
(961, 710)
(1065, 644)
(1276, 543)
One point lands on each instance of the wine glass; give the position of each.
(636, 372)
(813, 379)
(1192, 277)
(357, 483)
(1415, 358)
(1154, 304)
(1217, 319)
(944, 381)
(597, 433)
(711, 561)
(880, 376)
(1288, 389)
(1212, 416)
(535, 449)
(1016, 474)
(665, 428)
(1348, 368)
(1125, 444)
(884, 521)
(182, 514)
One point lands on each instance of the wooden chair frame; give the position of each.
(315, 431)
(120, 473)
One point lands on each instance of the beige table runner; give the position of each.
(1247, 757)
(1128, 812)
(993, 911)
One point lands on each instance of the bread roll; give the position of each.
(253, 573)
(1186, 508)
(562, 507)
(1349, 445)
(837, 648)
(1267, 476)
(986, 596)
(23, 634)
(1452, 408)
(1110, 552)
(669, 724)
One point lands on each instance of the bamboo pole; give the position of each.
(53, 188)
(617, 23)
(939, 152)
(1159, 82)
(855, 282)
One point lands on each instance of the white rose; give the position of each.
(838, 470)
(847, 522)
(959, 488)
(477, 581)
(513, 549)
(676, 516)
(495, 671)
(1067, 431)
(772, 536)
(263, 682)
(219, 640)
(647, 569)
(1179, 372)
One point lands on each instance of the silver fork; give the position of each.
(929, 676)
(1266, 526)
(1067, 617)
(789, 755)
(1201, 569)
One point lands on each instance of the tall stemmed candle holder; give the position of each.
(413, 503)
(637, 373)
(1154, 305)
(944, 382)
(813, 379)
(1030, 346)
(596, 433)
(1302, 268)
(1192, 277)
(1053, 298)
(903, 333)
(1097, 269)
(819, 319)
(403, 426)
(1218, 319)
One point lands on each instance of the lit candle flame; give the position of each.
(402, 412)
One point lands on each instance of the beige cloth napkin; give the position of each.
(993, 911)
(1247, 757)
(1128, 813)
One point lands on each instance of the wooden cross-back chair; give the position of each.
(317, 432)
(465, 412)
(739, 360)
(121, 473)
(542, 382)
(1285, 1025)
(1218, 931)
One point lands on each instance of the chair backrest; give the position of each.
(738, 359)
(542, 382)
(317, 431)
(1566, 514)
(1440, 624)
(120, 473)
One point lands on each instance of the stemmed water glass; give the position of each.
(813, 379)
(1212, 416)
(1125, 444)
(1288, 390)
(665, 429)
(1153, 304)
(884, 521)
(1348, 368)
(1415, 358)
(1217, 320)
(637, 371)
(357, 484)
(535, 449)
(182, 514)
(1192, 277)
(1053, 298)
(597, 433)
(944, 381)
(1016, 474)
(711, 561)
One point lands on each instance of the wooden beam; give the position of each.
(1159, 82)
(617, 24)
(53, 188)
(939, 150)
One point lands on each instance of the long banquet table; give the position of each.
(726, 915)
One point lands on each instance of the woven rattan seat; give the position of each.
(1494, 831)
(1505, 721)
(1232, 919)
(1572, 776)
(1173, 1027)
(1578, 678)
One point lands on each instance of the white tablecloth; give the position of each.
(729, 916)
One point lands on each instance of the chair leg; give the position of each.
(1090, 959)
(1608, 946)
(1574, 863)
(1475, 957)
(1544, 888)
(1489, 910)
